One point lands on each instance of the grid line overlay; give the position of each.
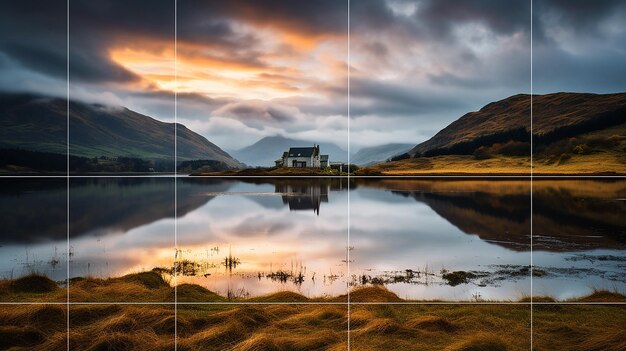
(532, 267)
(68, 303)
(67, 174)
(175, 174)
(349, 224)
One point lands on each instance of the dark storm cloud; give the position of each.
(37, 34)
(596, 65)
(34, 35)
(578, 46)
(502, 17)
(437, 18)
(34, 32)
(311, 17)
(406, 37)
(579, 15)
(395, 99)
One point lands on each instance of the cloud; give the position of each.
(259, 112)
(248, 69)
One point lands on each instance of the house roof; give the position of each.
(302, 151)
(323, 157)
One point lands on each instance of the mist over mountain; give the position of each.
(381, 153)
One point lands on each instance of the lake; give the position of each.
(422, 239)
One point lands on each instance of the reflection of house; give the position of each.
(304, 197)
(303, 157)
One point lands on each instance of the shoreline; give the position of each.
(283, 321)
(151, 286)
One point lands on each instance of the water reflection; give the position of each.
(276, 232)
(33, 227)
(446, 239)
(303, 197)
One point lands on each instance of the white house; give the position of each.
(303, 157)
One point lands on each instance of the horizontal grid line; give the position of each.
(330, 176)
(408, 303)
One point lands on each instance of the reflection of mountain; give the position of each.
(483, 214)
(35, 210)
(567, 214)
(304, 197)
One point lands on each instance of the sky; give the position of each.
(246, 69)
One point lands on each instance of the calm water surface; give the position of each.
(256, 236)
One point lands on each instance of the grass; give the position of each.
(450, 165)
(313, 327)
(592, 164)
(305, 326)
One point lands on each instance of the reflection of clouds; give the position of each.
(415, 236)
(260, 225)
(266, 238)
(17, 260)
(241, 222)
(230, 218)
(139, 249)
(389, 233)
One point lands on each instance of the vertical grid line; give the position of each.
(349, 170)
(175, 173)
(67, 174)
(532, 267)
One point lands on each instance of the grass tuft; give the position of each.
(150, 280)
(431, 323)
(34, 283)
(196, 293)
(375, 293)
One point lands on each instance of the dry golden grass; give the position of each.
(450, 165)
(309, 325)
(460, 165)
(598, 163)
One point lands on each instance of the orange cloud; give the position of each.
(281, 65)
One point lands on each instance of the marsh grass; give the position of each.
(306, 326)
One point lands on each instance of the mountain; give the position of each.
(38, 123)
(572, 134)
(375, 154)
(267, 150)
(555, 116)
